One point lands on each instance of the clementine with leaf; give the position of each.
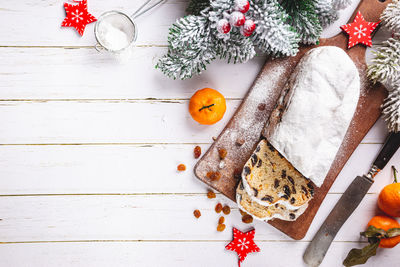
(389, 198)
(207, 106)
(386, 223)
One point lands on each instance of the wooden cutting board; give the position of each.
(250, 118)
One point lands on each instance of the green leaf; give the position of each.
(373, 232)
(360, 256)
(393, 232)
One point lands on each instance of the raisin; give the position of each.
(197, 214)
(218, 208)
(210, 194)
(271, 147)
(237, 174)
(181, 167)
(292, 216)
(292, 200)
(286, 189)
(258, 148)
(255, 192)
(268, 198)
(226, 210)
(304, 189)
(197, 152)
(221, 220)
(247, 218)
(254, 159)
(213, 176)
(259, 163)
(221, 227)
(276, 205)
(246, 170)
(276, 183)
(285, 197)
(240, 141)
(283, 174)
(222, 153)
(309, 185)
(290, 179)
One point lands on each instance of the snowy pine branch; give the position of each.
(341, 4)
(190, 48)
(273, 35)
(237, 49)
(304, 19)
(391, 16)
(386, 64)
(326, 12)
(391, 110)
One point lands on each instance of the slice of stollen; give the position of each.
(270, 179)
(264, 213)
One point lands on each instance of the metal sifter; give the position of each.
(115, 31)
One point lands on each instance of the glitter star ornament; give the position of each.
(359, 31)
(77, 16)
(243, 244)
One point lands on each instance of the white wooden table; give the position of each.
(90, 145)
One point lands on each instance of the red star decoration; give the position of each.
(243, 244)
(77, 16)
(359, 31)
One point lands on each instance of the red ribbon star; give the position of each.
(359, 31)
(77, 16)
(243, 244)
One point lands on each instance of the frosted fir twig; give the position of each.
(386, 64)
(341, 4)
(391, 110)
(391, 16)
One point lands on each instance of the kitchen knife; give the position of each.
(349, 201)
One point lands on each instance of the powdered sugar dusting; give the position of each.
(247, 124)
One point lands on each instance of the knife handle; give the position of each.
(390, 147)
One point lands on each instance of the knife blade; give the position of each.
(346, 205)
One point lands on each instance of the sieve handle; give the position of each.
(139, 11)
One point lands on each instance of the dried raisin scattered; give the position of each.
(210, 194)
(226, 210)
(181, 167)
(247, 218)
(216, 176)
(197, 152)
(221, 227)
(221, 220)
(197, 213)
(218, 208)
(242, 212)
(222, 153)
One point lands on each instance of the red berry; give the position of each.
(223, 26)
(242, 5)
(248, 28)
(237, 18)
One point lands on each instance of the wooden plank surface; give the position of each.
(82, 185)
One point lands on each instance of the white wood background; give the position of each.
(90, 144)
